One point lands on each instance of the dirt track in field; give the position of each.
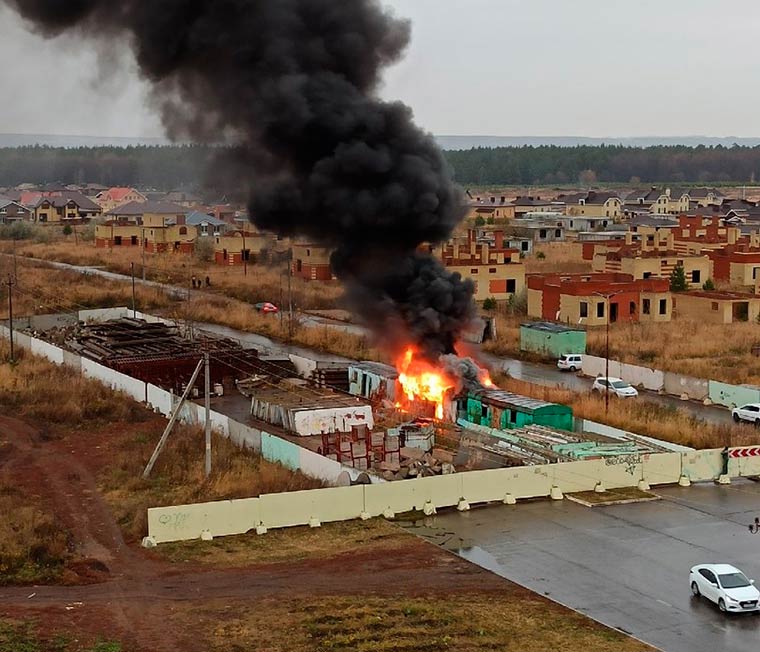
(125, 592)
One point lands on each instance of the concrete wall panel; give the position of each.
(394, 496)
(275, 449)
(22, 341)
(72, 361)
(315, 422)
(702, 465)
(243, 435)
(114, 379)
(661, 468)
(694, 388)
(184, 522)
(318, 466)
(299, 507)
(494, 484)
(219, 422)
(732, 395)
(160, 399)
(652, 379)
(104, 314)
(52, 353)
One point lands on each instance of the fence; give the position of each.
(733, 395)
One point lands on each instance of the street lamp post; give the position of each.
(607, 296)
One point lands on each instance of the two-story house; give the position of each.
(115, 197)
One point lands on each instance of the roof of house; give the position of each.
(155, 207)
(178, 195)
(596, 198)
(196, 218)
(718, 295)
(531, 201)
(701, 193)
(652, 220)
(7, 201)
(118, 194)
(60, 199)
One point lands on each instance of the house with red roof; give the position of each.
(115, 197)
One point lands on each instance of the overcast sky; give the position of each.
(493, 67)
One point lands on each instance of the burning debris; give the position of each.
(292, 85)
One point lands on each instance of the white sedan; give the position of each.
(615, 386)
(726, 586)
(749, 412)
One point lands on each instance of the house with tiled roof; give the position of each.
(58, 207)
(594, 204)
(11, 211)
(115, 197)
(157, 226)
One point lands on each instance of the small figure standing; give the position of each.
(208, 282)
(193, 281)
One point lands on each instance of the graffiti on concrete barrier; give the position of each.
(629, 461)
(175, 520)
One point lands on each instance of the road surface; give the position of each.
(626, 566)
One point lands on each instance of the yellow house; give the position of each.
(115, 197)
(497, 271)
(54, 208)
(237, 247)
(490, 208)
(157, 226)
(595, 204)
(654, 264)
(717, 307)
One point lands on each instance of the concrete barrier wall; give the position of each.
(184, 522)
(48, 351)
(104, 314)
(300, 507)
(652, 379)
(732, 395)
(160, 399)
(744, 466)
(282, 451)
(661, 468)
(702, 465)
(114, 379)
(245, 436)
(696, 389)
(318, 466)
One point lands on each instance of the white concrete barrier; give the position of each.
(104, 314)
(696, 389)
(303, 507)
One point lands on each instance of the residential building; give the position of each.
(311, 262)
(206, 225)
(592, 299)
(739, 264)
(540, 231)
(157, 226)
(11, 211)
(594, 204)
(706, 196)
(115, 197)
(487, 234)
(660, 201)
(57, 207)
(529, 204)
(492, 210)
(496, 270)
(238, 246)
(717, 307)
(657, 263)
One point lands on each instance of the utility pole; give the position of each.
(244, 255)
(134, 301)
(290, 295)
(608, 310)
(10, 284)
(172, 421)
(208, 413)
(15, 265)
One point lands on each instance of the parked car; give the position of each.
(749, 412)
(570, 361)
(615, 386)
(726, 586)
(267, 307)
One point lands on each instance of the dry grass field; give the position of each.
(565, 257)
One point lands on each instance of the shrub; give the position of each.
(540, 255)
(16, 231)
(489, 304)
(708, 285)
(678, 280)
(204, 249)
(67, 230)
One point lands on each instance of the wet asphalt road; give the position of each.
(626, 566)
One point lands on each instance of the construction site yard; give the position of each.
(76, 579)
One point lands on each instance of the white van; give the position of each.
(570, 361)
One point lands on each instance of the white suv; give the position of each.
(749, 412)
(570, 361)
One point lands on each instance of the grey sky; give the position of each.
(497, 67)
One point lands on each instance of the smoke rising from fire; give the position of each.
(292, 84)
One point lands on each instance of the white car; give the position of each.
(726, 586)
(749, 412)
(614, 386)
(570, 361)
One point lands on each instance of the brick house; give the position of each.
(717, 307)
(115, 197)
(236, 247)
(157, 226)
(311, 262)
(585, 298)
(65, 207)
(496, 269)
(11, 211)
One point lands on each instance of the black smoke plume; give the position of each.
(292, 83)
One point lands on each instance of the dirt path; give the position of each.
(144, 601)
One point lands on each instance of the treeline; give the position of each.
(166, 168)
(614, 164)
(162, 168)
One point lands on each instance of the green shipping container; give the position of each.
(495, 408)
(551, 340)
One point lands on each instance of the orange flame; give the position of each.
(421, 381)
